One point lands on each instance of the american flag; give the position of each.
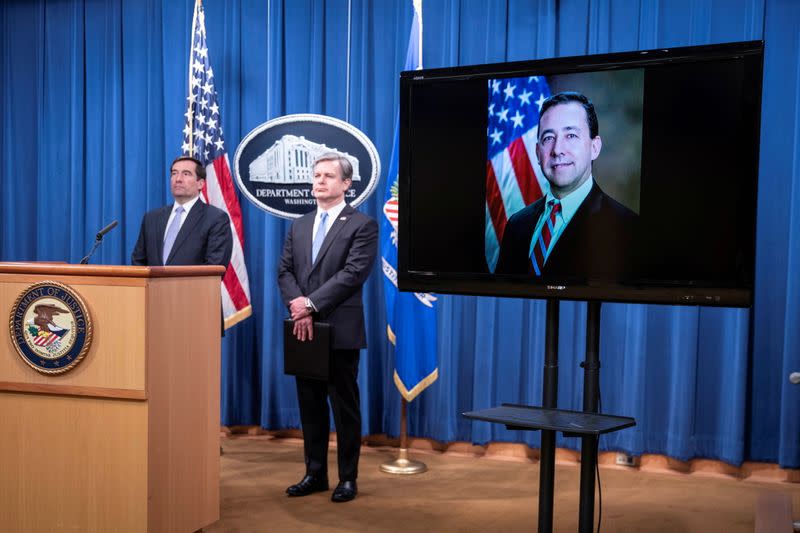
(513, 176)
(203, 139)
(45, 340)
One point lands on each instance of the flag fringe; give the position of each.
(423, 384)
(238, 316)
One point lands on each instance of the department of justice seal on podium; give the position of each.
(51, 328)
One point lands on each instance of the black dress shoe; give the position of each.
(344, 492)
(308, 485)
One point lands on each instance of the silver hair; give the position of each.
(344, 164)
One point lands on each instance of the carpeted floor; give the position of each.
(463, 493)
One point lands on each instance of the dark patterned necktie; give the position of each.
(545, 236)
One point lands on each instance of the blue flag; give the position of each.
(411, 317)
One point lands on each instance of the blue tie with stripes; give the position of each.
(545, 236)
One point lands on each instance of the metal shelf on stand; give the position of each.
(587, 424)
(571, 423)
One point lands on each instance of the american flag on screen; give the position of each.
(203, 139)
(513, 176)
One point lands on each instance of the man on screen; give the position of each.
(575, 230)
(327, 256)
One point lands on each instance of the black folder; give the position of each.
(307, 359)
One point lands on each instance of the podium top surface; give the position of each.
(573, 422)
(125, 271)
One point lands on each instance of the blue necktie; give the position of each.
(319, 237)
(172, 234)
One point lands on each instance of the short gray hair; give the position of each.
(344, 163)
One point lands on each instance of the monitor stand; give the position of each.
(587, 424)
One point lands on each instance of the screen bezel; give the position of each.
(476, 283)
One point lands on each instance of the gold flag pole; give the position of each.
(403, 465)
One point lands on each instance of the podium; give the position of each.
(127, 439)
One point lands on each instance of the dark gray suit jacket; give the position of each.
(597, 243)
(334, 281)
(205, 238)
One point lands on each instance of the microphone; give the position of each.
(794, 378)
(98, 240)
(106, 230)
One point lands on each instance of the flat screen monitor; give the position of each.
(628, 177)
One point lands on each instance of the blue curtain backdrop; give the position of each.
(93, 97)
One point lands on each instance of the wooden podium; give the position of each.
(128, 440)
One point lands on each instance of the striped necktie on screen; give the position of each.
(543, 244)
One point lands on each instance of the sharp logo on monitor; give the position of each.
(274, 162)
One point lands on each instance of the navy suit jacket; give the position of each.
(597, 243)
(333, 282)
(205, 238)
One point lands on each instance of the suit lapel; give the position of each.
(161, 227)
(582, 216)
(530, 228)
(305, 227)
(568, 244)
(338, 224)
(192, 221)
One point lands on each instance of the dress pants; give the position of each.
(342, 389)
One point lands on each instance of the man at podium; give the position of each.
(188, 232)
(327, 257)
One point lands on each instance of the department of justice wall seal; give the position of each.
(51, 328)
(273, 163)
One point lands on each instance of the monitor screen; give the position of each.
(617, 177)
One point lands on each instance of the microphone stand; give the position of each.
(98, 240)
(85, 260)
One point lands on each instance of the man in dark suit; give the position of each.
(189, 232)
(575, 231)
(327, 257)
